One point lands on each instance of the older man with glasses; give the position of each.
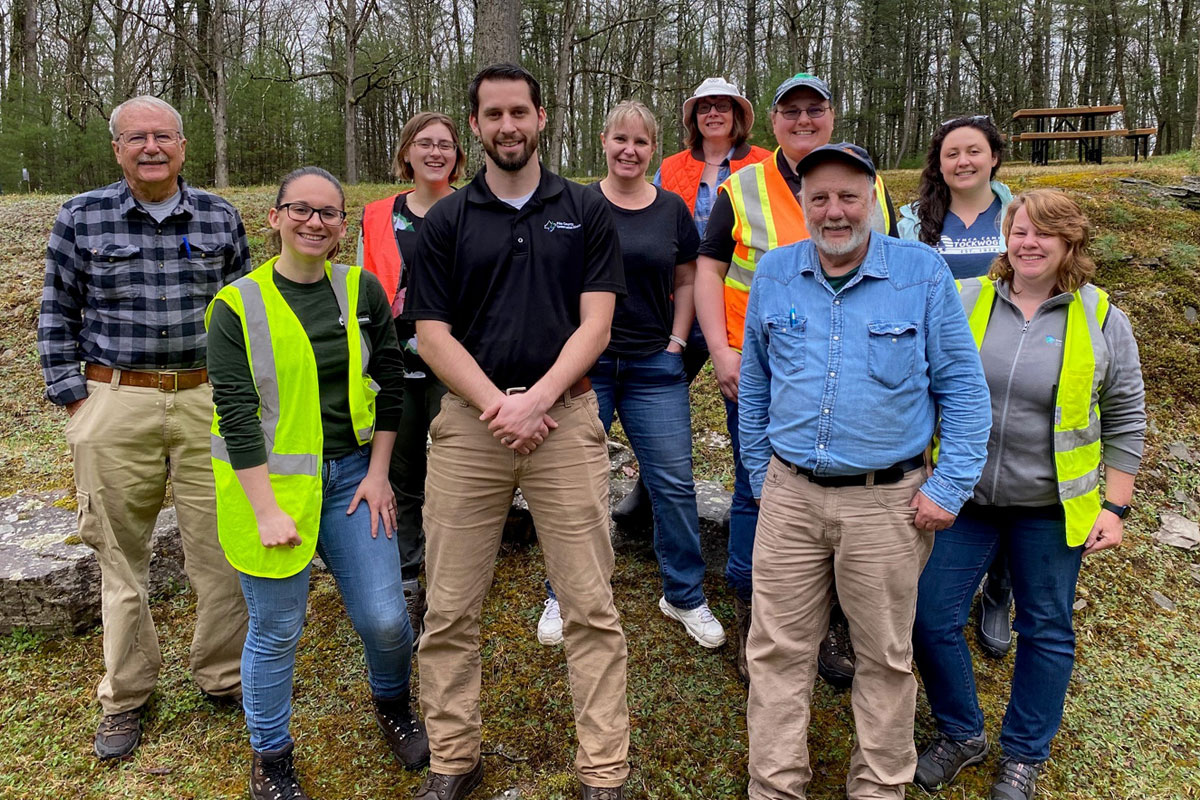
(758, 209)
(130, 269)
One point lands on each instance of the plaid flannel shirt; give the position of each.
(126, 291)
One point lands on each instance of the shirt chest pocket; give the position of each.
(785, 344)
(891, 351)
(205, 265)
(111, 272)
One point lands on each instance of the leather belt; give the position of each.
(892, 474)
(582, 386)
(166, 381)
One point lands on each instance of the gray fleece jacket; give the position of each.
(1021, 362)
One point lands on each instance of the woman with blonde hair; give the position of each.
(1067, 398)
(431, 156)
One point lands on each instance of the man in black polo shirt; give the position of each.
(513, 289)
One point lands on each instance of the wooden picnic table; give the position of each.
(1076, 124)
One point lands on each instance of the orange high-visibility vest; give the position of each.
(681, 172)
(381, 255)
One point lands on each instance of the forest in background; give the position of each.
(267, 85)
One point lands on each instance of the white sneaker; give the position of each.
(549, 630)
(699, 622)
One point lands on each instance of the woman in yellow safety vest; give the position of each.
(1067, 395)
(429, 154)
(306, 375)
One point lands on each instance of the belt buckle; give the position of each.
(516, 390)
(174, 382)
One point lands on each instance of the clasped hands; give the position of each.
(519, 421)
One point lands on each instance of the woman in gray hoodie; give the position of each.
(1067, 395)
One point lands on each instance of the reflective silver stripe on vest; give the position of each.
(1065, 441)
(969, 291)
(750, 188)
(277, 463)
(341, 274)
(1080, 486)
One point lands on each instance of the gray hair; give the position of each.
(144, 100)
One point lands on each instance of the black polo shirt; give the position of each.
(508, 281)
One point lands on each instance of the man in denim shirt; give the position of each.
(856, 346)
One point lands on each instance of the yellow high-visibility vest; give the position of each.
(1076, 405)
(285, 375)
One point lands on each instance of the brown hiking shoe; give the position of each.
(118, 735)
(741, 616)
(414, 602)
(404, 731)
(603, 792)
(835, 658)
(437, 786)
(273, 776)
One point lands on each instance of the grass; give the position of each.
(1132, 722)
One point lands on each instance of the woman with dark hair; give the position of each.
(430, 155)
(306, 375)
(960, 203)
(1067, 396)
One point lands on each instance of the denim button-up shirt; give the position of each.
(847, 382)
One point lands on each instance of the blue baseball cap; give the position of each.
(802, 80)
(845, 152)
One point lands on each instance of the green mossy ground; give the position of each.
(1132, 722)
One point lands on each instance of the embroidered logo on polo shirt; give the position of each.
(552, 226)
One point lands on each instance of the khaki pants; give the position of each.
(126, 441)
(467, 495)
(807, 534)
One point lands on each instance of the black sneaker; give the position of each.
(944, 758)
(437, 786)
(835, 659)
(414, 602)
(995, 610)
(404, 731)
(634, 510)
(1015, 780)
(118, 735)
(273, 776)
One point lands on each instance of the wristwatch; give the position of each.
(1120, 511)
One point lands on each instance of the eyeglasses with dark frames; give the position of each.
(793, 114)
(705, 106)
(428, 145)
(302, 212)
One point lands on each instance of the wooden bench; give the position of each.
(1077, 124)
(1089, 143)
(1141, 140)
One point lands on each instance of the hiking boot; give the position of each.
(699, 623)
(414, 602)
(1015, 780)
(942, 760)
(437, 786)
(634, 510)
(404, 731)
(273, 776)
(118, 735)
(549, 629)
(835, 659)
(995, 609)
(603, 792)
(741, 618)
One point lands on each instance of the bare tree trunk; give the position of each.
(751, 85)
(562, 81)
(350, 107)
(497, 32)
(1196, 124)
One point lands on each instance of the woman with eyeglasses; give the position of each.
(959, 213)
(307, 380)
(717, 120)
(429, 154)
(1067, 397)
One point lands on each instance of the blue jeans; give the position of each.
(651, 396)
(368, 576)
(1044, 572)
(743, 515)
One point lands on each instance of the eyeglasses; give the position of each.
(302, 212)
(792, 114)
(429, 145)
(721, 106)
(141, 138)
(975, 118)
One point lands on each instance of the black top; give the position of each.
(508, 281)
(316, 306)
(406, 225)
(718, 236)
(654, 240)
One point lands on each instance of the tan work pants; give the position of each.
(807, 534)
(467, 496)
(126, 441)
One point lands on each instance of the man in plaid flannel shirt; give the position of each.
(130, 269)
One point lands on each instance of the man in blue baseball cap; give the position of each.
(855, 347)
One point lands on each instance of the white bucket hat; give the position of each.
(718, 87)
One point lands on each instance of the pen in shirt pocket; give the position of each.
(187, 247)
(792, 317)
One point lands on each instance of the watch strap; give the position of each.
(1120, 511)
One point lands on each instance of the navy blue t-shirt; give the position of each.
(969, 251)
